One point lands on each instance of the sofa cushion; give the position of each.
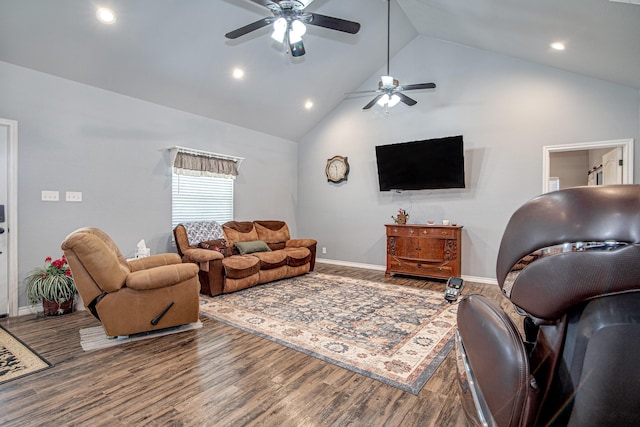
(272, 231)
(202, 231)
(239, 231)
(271, 260)
(251, 247)
(240, 266)
(297, 256)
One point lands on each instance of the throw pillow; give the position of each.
(219, 245)
(251, 247)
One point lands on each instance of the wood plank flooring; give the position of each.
(214, 376)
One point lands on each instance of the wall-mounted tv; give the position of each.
(421, 165)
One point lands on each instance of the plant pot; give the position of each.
(52, 308)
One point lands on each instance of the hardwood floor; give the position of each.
(214, 376)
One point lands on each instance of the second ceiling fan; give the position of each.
(289, 19)
(389, 89)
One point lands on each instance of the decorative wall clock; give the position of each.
(337, 169)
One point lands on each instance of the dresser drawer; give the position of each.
(427, 232)
(419, 268)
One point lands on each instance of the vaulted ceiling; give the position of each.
(174, 53)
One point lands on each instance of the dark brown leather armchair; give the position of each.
(130, 297)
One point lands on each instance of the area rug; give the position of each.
(95, 338)
(395, 334)
(17, 359)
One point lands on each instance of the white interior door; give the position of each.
(4, 247)
(612, 167)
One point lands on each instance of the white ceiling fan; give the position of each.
(390, 92)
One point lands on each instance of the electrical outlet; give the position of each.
(74, 196)
(324, 250)
(49, 196)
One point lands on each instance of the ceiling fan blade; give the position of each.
(418, 86)
(249, 28)
(265, 3)
(404, 98)
(373, 102)
(359, 92)
(333, 23)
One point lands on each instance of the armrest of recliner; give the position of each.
(201, 255)
(154, 261)
(161, 277)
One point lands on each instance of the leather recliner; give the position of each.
(570, 263)
(130, 297)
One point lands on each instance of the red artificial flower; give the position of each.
(47, 259)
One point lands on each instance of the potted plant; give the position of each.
(53, 285)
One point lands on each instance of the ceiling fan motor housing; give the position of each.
(385, 83)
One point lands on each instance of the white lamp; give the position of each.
(297, 31)
(394, 100)
(279, 29)
(384, 100)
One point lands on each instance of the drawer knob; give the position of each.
(411, 231)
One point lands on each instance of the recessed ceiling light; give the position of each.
(105, 15)
(308, 105)
(238, 73)
(557, 46)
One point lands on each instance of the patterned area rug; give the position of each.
(396, 334)
(17, 359)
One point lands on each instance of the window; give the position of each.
(202, 186)
(201, 198)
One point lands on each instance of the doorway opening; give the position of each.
(550, 183)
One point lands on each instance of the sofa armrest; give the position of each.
(201, 255)
(300, 243)
(161, 277)
(305, 243)
(153, 261)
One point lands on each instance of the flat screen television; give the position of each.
(421, 165)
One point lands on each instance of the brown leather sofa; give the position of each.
(130, 297)
(241, 254)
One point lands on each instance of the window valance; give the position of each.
(186, 161)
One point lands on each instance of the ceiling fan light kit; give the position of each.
(290, 23)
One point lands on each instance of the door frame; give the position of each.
(627, 157)
(12, 213)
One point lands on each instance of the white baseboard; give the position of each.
(37, 308)
(475, 279)
(351, 264)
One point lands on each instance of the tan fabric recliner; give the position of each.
(135, 296)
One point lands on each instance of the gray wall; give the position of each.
(113, 149)
(507, 110)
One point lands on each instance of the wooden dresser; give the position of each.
(424, 250)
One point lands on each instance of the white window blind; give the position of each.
(202, 186)
(201, 198)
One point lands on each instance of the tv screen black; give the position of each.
(421, 165)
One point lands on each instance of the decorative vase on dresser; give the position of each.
(424, 250)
